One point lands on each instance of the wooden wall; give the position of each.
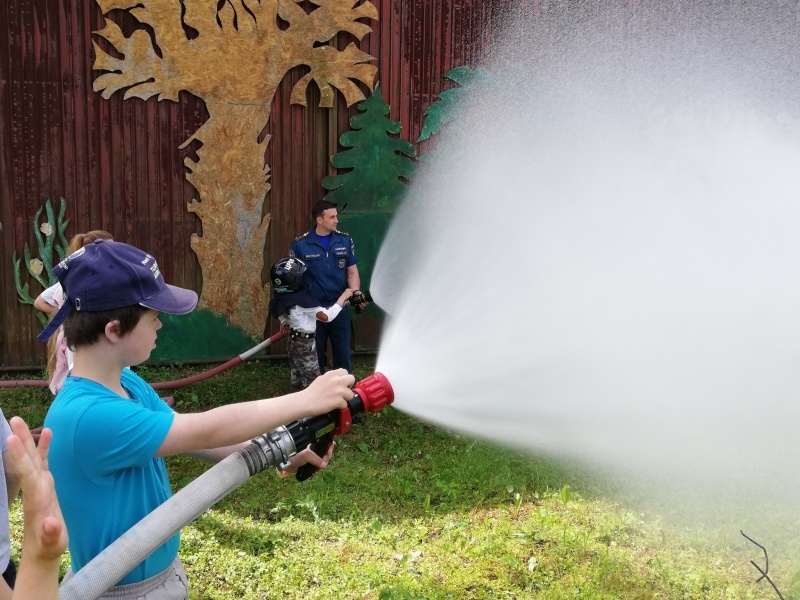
(117, 164)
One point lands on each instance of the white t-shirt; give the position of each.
(5, 538)
(54, 296)
(305, 319)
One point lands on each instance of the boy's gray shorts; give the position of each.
(170, 584)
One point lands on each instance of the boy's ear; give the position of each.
(112, 331)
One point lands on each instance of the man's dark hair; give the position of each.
(85, 328)
(320, 207)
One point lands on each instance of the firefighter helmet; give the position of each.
(287, 275)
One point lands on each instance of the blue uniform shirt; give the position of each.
(326, 276)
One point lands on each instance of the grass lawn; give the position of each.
(409, 511)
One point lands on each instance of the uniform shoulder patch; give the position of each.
(300, 237)
(342, 233)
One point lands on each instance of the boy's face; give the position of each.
(141, 340)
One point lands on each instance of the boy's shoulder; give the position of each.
(283, 303)
(79, 388)
(76, 396)
(302, 298)
(130, 377)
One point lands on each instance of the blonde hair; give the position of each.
(79, 240)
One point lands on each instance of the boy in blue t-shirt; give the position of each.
(110, 429)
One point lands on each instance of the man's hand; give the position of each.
(363, 305)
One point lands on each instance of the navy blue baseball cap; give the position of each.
(106, 275)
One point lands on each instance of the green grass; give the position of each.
(409, 511)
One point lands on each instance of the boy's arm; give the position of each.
(330, 313)
(295, 462)
(214, 455)
(285, 324)
(240, 422)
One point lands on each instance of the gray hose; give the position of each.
(132, 547)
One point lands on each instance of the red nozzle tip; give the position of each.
(375, 392)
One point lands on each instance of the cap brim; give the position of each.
(173, 300)
(55, 322)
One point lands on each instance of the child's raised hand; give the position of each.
(45, 535)
(330, 391)
(345, 296)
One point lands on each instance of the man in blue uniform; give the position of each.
(330, 258)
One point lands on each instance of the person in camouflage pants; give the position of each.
(298, 311)
(303, 361)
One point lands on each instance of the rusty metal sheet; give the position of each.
(118, 165)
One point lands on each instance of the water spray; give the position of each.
(273, 449)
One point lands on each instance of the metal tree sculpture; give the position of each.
(233, 54)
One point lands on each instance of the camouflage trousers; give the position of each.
(303, 362)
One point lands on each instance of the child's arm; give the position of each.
(45, 534)
(12, 479)
(242, 421)
(329, 314)
(45, 302)
(295, 462)
(42, 305)
(308, 456)
(285, 324)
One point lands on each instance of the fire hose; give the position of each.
(272, 449)
(163, 385)
(355, 300)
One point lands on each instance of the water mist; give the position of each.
(603, 260)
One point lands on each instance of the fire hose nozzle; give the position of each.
(358, 299)
(372, 394)
(375, 392)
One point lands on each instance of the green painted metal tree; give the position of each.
(52, 246)
(443, 109)
(380, 164)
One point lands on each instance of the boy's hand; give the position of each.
(329, 391)
(308, 456)
(345, 296)
(45, 536)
